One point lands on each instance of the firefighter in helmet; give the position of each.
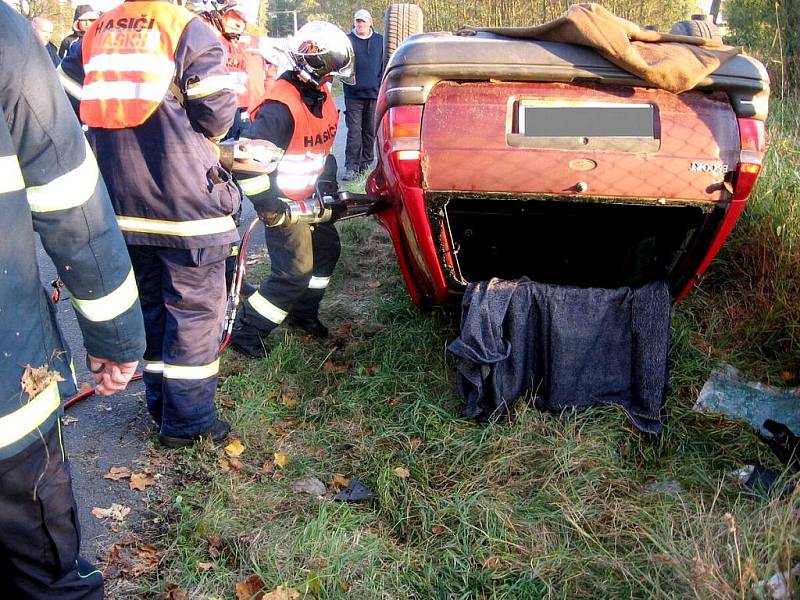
(299, 116)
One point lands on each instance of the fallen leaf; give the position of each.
(311, 486)
(246, 589)
(437, 529)
(224, 465)
(235, 448)
(373, 284)
(401, 472)
(35, 379)
(227, 403)
(147, 559)
(268, 467)
(332, 368)
(282, 593)
(789, 376)
(205, 567)
(280, 459)
(339, 482)
(140, 481)
(175, 593)
(117, 473)
(394, 402)
(373, 369)
(414, 443)
(492, 563)
(236, 464)
(84, 387)
(344, 586)
(116, 511)
(344, 329)
(287, 396)
(68, 420)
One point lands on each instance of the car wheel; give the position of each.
(696, 28)
(400, 21)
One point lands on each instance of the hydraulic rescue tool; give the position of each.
(260, 157)
(251, 157)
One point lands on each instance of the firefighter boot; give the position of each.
(247, 339)
(310, 325)
(218, 432)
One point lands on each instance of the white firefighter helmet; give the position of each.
(319, 49)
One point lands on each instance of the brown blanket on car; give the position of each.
(672, 62)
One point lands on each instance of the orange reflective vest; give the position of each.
(129, 61)
(304, 159)
(237, 66)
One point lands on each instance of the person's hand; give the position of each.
(110, 377)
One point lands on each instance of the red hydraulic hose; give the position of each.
(233, 305)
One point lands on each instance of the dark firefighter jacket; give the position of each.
(274, 122)
(50, 185)
(165, 181)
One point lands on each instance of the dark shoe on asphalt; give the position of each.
(313, 326)
(217, 433)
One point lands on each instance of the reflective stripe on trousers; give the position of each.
(302, 262)
(183, 297)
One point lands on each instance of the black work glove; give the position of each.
(273, 212)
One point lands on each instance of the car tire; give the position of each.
(696, 28)
(400, 21)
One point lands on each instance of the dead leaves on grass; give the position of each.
(235, 449)
(402, 472)
(280, 459)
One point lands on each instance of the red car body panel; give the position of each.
(453, 158)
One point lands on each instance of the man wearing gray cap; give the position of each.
(361, 97)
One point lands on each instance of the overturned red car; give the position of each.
(502, 157)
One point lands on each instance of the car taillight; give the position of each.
(753, 143)
(405, 125)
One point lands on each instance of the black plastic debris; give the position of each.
(783, 443)
(765, 482)
(355, 492)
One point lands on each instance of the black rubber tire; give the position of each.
(400, 21)
(701, 29)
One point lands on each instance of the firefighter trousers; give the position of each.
(182, 293)
(302, 259)
(39, 531)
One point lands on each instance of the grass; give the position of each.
(538, 507)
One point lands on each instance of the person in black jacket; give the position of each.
(50, 186)
(81, 21)
(361, 97)
(44, 31)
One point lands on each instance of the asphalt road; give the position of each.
(101, 433)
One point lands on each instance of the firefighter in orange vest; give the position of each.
(233, 19)
(299, 116)
(155, 93)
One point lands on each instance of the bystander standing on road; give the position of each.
(361, 97)
(44, 31)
